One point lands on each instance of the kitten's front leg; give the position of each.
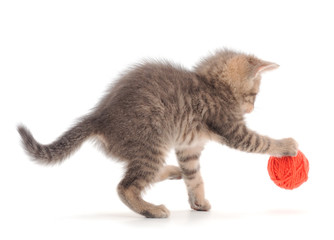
(244, 139)
(188, 159)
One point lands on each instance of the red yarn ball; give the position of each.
(288, 172)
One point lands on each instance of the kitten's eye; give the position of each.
(250, 98)
(253, 94)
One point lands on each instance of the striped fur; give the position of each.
(60, 149)
(156, 106)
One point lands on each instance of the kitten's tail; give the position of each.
(60, 149)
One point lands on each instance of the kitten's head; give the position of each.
(241, 72)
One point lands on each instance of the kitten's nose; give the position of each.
(249, 109)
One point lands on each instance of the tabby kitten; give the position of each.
(157, 106)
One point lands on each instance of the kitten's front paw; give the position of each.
(287, 147)
(197, 205)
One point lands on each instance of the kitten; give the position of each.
(157, 106)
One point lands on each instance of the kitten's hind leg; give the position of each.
(169, 172)
(140, 174)
(189, 162)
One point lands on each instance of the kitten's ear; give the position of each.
(263, 66)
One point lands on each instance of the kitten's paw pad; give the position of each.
(156, 212)
(288, 147)
(203, 206)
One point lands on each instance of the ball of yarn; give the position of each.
(288, 172)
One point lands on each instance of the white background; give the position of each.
(58, 57)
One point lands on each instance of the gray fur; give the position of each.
(157, 106)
